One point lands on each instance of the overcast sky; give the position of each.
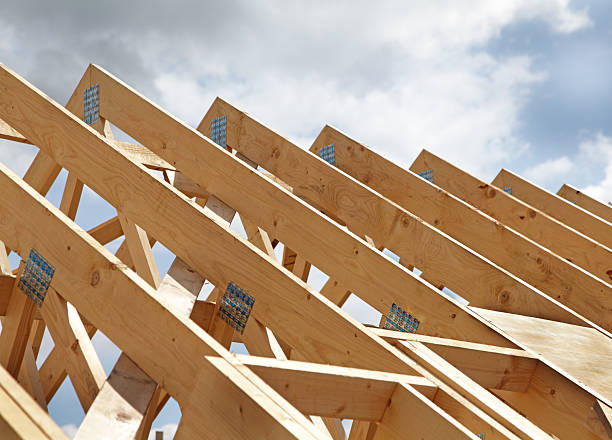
(524, 85)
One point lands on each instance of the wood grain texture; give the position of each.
(562, 281)
(572, 215)
(595, 207)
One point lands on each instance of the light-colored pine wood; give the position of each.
(572, 215)
(71, 338)
(605, 416)
(21, 417)
(595, 207)
(502, 375)
(247, 191)
(16, 328)
(331, 391)
(505, 247)
(91, 281)
(563, 281)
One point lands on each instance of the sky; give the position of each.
(521, 85)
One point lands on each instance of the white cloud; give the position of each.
(397, 76)
(70, 430)
(598, 150)
(549, 170)
(169, 431)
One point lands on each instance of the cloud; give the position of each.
(598, 150)
(169, 431)
(70, 430)
(398, 76)
(549, 170)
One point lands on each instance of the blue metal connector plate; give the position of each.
(218, 132)
(235, 307)
(328, 154)
(91, 104)
(400, 320)
(427, 175)
(36, 277)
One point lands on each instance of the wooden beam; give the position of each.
(345, 246)
(106, 292)
(489, 366)
(71, 196)
(323, 243)
(605, 415)
(107, 231)
(455, 217)
(407, 236)
(581, 354)
(9, 133)
(332, 391)
(140, 251)
(16, 328)
(451, 376)
(572, 215)
(21, 417)
(592, 205)
(410, 414)
(80, 358)
(562, 281)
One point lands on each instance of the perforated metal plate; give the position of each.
(36, 277)
(217, 131)
(400, 320)
(235, 307)
(508, 189)
(427, 175)
(328, 154)
(91, 104)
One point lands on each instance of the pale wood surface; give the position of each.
(595, 207)
(320, 241)
(572, 215)
(582, 354)
(564, 282)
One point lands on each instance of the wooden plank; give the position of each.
(475, 394)
(79, 356)
(249, 190)
(53, 370)
(559, 407)
(605, 415)
(5, 265)
(140, 251)
(586, 202)
(16, 328)
(503, 246)
(565, 282)
(387, 224)
(71, 196)
(106, 292)
(332, 391)
(30, 380)
(572, 215)
(119, 400)
(489, 366)
(9, 133)
(410, 414)
(107, 231)
(21, 417)
(581, 354)
(129, 393)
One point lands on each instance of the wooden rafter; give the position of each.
(492, 368)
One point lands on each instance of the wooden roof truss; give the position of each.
(527, 358)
